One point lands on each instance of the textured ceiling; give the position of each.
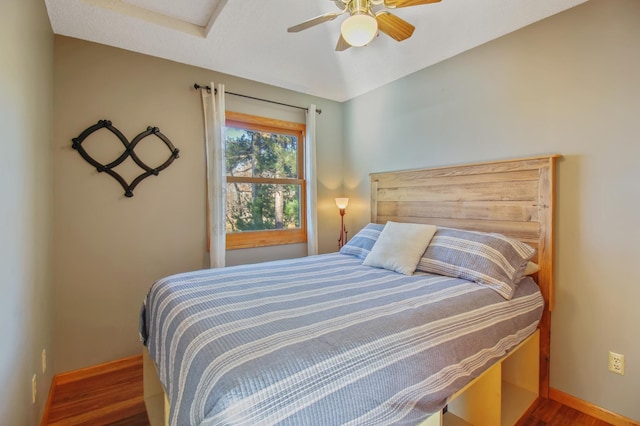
(249, 38)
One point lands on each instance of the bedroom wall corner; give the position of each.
(26, 117)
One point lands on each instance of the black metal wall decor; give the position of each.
(129, 148)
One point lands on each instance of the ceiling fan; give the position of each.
(366, 17)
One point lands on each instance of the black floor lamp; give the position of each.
(342, 205)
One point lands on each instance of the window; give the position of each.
(265, 182)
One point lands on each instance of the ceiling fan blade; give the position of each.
(314, 21)
(396, 28)
(342, 44)
(392, 4)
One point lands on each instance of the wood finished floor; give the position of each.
(115, 398)
(550, 413)
(111, 398)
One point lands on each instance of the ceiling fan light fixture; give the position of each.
(359, 29)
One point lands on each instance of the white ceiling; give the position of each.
(249, 38)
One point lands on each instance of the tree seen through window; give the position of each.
(265, 182)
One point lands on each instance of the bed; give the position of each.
(331, 340)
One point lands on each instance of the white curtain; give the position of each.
(312, 192)
(214, 127)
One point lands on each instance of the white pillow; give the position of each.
(400, 246)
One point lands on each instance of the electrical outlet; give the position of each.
(44, 361)
(34, 389)
(616, 363)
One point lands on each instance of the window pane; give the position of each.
(259, 207)
(251, 153)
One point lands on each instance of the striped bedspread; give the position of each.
(323, 340)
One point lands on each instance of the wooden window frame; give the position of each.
(271, 237)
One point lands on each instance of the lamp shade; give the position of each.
(342, 203)
(359, 29)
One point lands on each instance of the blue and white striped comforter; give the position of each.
(323, 340)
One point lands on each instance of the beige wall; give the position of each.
(26, 112)
(569, 84)
(109, 249)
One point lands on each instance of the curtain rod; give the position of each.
(197, 86)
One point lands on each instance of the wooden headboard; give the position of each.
(511, 197)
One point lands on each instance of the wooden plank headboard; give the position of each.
(512, 197)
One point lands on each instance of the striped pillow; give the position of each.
(491, 260)
(361, 243)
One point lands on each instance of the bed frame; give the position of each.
(512, 197)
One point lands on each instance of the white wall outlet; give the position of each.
(616, 363)
(34, 389)
(44, 361)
